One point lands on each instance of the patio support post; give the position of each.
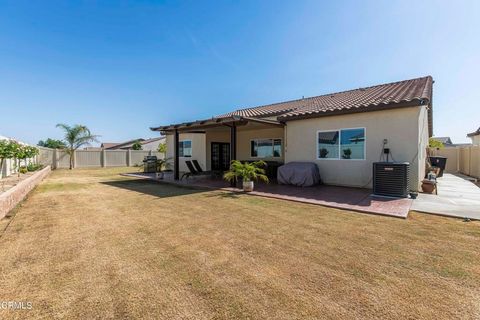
(54, 159)
(176, 158)
(129, 157)
(104, 158)
(233, 148)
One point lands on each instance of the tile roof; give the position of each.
(152, 140)
(351, 101)
(112, 145)
(107, 145)
(128, 144)
(475, 133)
(141, 141)
(444, 140)
(267, 110)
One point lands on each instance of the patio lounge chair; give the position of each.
(213, 173)
(197, 166)
(194, 170)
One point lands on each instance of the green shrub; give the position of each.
(23, 169)
(435, 144)
(34, 167)
(137, 146)
(246, 171)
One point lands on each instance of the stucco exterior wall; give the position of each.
(198, 149)
(402, 127)
(476, 140)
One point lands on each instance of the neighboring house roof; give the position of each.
(120, 145)
(128, 144)
(444, 140)
(328, 137)
(107, 145)
(475, 133)
(380, 97)
(142, 142)
(152, 140)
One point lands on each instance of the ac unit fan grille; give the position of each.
(391, 179)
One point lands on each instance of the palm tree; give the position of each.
(75, 137)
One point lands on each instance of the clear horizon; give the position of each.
(122, 68)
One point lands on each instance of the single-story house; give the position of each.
(475, 136)
(343, 133)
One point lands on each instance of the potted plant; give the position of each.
(162, 166)
(248, 172)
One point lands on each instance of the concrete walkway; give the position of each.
(457, 197)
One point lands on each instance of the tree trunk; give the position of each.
(72, 153)
(1, 167)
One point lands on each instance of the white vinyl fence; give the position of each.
(95, 158)
(464, 159)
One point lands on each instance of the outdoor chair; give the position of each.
(194, 170)
(197, 166)
(214, 173)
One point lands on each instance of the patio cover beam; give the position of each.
(214, 122)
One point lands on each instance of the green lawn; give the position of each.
(93, 244)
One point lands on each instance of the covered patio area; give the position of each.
(215, 142)
(355, 199)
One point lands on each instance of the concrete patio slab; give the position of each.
(457, 197)
(354, 199)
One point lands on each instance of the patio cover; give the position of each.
(214, 122)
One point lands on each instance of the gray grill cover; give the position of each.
(302, 174)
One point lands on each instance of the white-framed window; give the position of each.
(341, 144)
(185, 148)
(266, 148)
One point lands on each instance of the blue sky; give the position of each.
(121, 67)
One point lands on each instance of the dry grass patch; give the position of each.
(93, 244)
